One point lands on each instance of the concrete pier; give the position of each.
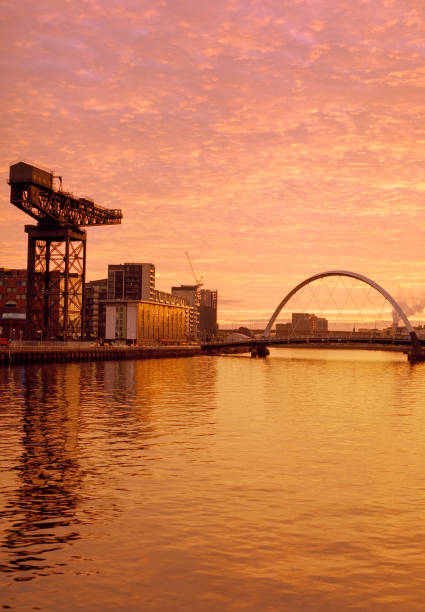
(416, 353)
(259, 350)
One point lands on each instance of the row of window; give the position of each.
(10, 290)
(17, 284)
(17, 296)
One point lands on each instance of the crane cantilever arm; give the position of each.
(49, 206)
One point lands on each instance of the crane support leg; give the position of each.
(55, 282)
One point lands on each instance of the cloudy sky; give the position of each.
(271, 139)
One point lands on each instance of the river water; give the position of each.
(214, 483)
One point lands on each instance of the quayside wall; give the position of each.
(55, 354)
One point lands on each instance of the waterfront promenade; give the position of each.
(83, 351)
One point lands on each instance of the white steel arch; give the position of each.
(359, 277)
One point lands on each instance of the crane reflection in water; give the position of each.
(42, 512)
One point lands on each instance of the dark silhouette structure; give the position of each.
(56, 250)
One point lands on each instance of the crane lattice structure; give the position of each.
(56, 264)
(199, 281)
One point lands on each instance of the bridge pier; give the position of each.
(416, 353)
(259, 350)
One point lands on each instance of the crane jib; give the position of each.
(32, 192)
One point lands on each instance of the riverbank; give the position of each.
(43, 353)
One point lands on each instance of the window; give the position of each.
(120, 322)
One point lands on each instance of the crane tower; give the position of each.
(56, 264)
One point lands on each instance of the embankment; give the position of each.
(56, 354)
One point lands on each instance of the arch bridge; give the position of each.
(258, 346)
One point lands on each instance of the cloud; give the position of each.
(273, 138)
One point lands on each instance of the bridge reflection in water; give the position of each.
(258, 346)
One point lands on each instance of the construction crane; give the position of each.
(199, 281)
(56, 250)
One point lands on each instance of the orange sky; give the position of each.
(272, 139)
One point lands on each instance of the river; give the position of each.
(214, 483)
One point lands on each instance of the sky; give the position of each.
(270, 139)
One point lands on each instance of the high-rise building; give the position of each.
(208, 314)
(192, 295)
(131, 281)
(300, 322)
(95, 293)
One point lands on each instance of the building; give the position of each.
(192, 295)
(208, 314)
(95, 293)
(13, 295)
(131, 281)
(318, 324)
(139, 322)
(46, 317)
(283, 330)
(136, 312)
(302, 323)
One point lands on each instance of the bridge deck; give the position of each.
(396, 344)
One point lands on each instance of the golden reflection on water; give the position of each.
(42, 509)
(215, 483)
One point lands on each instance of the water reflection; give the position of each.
(292, 483)
(80, 435)
(43, 507)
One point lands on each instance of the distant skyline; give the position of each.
(270, 139)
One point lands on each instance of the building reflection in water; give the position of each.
(43, 508)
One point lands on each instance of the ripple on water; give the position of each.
(211, 483)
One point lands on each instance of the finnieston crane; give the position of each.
(56, 264)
